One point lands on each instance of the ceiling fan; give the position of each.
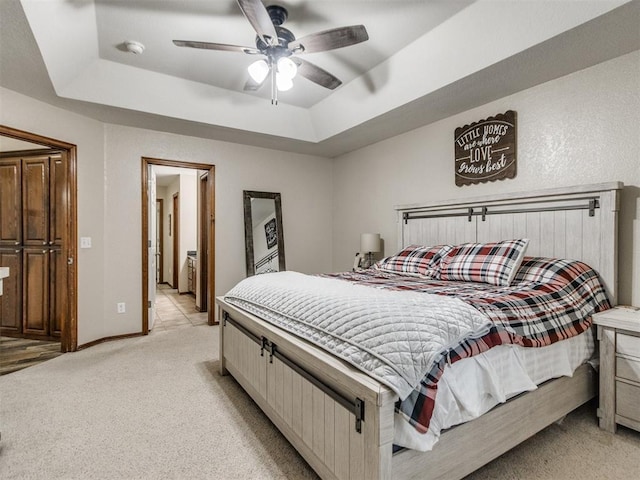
(280, 49)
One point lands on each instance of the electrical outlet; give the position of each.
(122, 308)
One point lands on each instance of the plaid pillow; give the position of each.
(415, 260)
(538, 269)
(494, 263)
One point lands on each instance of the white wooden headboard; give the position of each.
(577, 223)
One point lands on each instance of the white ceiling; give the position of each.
(165, 175)
(156, 23)
(425, 60)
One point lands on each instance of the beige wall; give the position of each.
(109, 205)
(582, 128)
(24, 113)
(579, 129)
(302, 180)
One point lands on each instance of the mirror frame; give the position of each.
(248, 228)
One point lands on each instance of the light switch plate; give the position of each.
(85, 242)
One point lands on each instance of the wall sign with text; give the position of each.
(271, 232)
(486, 150)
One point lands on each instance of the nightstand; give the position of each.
(619, 336)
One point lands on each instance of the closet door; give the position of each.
(11, 244)
(58, 304)
(33, 220)
(11, 298)
(58, 207)
(35, 201)
(10, 202)
(35, 284)
(58, 202)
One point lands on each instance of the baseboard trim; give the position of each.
(109, 339)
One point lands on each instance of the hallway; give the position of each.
(175, 311)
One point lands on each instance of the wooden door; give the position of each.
(11, 298)
(35, 288)
(62, 229)
(10, 202)
(33, 220)
(11, 244)
(58, 198)
(58, 302)
(35, 201)
(58, 214)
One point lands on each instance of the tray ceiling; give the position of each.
(425, 60)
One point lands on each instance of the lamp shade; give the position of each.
(287, 68)
(283, 83)
(258, 71)
(370, 242)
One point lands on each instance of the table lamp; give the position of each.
(369, 243)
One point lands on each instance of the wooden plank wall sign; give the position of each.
(486, 150)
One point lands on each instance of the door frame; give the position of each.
(145, 163)
(69, 333)
(174, 231)
(160, 228)
(203, 219)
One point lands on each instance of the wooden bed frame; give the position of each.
(342, 421)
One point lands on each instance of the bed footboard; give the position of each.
(339, 420)
(311, 397)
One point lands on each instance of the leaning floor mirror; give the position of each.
(264, 240)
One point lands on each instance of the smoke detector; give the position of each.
(134, 47)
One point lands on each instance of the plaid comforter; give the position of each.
(548, 301)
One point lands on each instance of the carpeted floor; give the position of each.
(155, 407)
(173, 311)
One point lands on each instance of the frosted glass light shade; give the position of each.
(370, 242)
(258, 71)
(283, 83)
(287, 68)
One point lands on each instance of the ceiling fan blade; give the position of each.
(316, 74)
(216, 46)
(260, 20)
(330, 39)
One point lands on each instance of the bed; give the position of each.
(343, 421)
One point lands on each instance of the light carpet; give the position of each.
(155, 407)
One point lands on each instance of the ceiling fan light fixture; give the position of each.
(278, 44)
(258, 71)
(284, 83)
(287, 68)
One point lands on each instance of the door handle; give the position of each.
(70, 261)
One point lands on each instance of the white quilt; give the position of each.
(394, 336)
